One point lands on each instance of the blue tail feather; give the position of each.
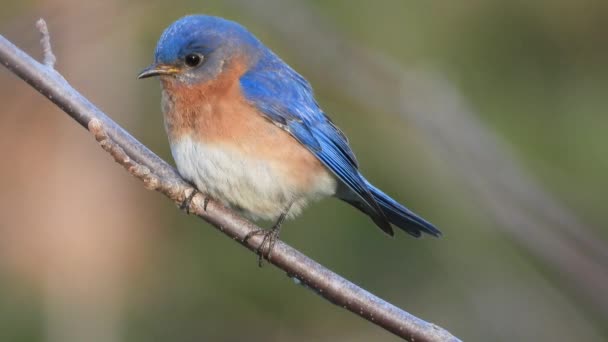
(401, 216)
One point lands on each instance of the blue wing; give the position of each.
(286, 99)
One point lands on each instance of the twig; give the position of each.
(158, 175)
(45, 40)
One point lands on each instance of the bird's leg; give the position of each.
(273, 236)
(270, 237)
(188, 200)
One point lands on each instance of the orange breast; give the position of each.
(216, 113)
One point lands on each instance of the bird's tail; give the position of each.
(399, 215)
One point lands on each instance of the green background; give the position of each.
(535, 73)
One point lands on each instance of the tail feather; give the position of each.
(401, 216)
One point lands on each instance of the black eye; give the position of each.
(193, 60)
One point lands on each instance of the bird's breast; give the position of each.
(228, 149)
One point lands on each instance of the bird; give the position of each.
(245, 129)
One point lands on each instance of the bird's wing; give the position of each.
(286, 98)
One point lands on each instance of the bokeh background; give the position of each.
(486, 117)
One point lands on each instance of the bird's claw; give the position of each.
(205, 202)
(188, 201)
(269, 240)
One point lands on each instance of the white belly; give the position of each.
(254, 187)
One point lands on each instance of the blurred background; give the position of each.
(486, 117)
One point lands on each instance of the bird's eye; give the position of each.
(193, 60)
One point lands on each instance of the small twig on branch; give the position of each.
(158, 175)
(45, 40)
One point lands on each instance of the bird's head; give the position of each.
(196, 49)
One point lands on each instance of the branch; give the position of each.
(157, 175)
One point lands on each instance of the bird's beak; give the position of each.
(158, 70)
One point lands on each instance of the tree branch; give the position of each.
(157, 175)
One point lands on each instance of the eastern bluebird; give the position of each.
(245, 129)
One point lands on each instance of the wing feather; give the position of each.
(286, 98)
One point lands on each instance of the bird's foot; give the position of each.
(188, 201)
(270, 238)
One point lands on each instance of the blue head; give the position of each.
(197, 48)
